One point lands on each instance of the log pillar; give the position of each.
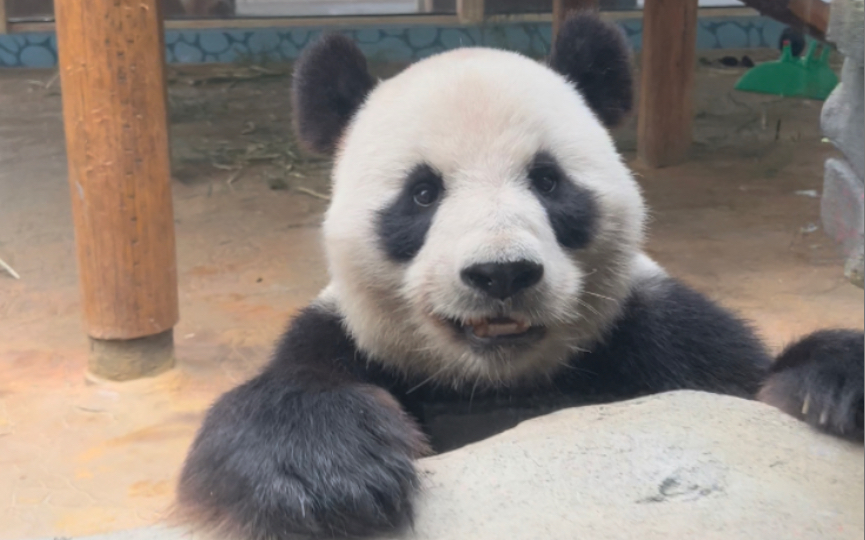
(562, 8)
(112, 71)
(3, 22)
(666, 107)
(470, 11)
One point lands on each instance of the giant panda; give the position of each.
(485, 245)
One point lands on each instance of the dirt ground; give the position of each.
(739, 221)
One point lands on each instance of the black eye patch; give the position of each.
(572, 210)
(403, 225)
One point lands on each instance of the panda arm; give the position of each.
(307, 446)
(670, 337)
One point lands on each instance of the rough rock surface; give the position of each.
(843, 122)
(841, 208)
(843, 116)
(678, 465)
(847, 26)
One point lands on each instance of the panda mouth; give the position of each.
(497, 327)
(498, 330)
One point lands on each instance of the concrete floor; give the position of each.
(79, 457)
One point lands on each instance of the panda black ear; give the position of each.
(595, 56)
(331, 82)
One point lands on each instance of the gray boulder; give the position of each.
(677, 465)
(843, 123)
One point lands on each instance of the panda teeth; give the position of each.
(498, 327)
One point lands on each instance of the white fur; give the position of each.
(478, 116)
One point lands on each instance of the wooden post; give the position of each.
(666, 107)
(561, 9)
(112, 71)
(3, 21)
(470, 11)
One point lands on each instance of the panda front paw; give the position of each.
(271, 463)
(821, 380)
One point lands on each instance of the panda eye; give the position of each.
(544, 179)
(425, 194)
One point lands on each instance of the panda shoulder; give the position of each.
(668, 336)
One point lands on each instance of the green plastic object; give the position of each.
(807, 77)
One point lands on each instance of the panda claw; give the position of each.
(820, 381)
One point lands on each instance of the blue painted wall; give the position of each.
(383, 43)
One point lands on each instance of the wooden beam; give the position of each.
(347, 21)
(277, 22)
(808, 16)
(112, 71)
(377, 20)
(561, 9)
(814, 15)
(470, 11)
(666, 107)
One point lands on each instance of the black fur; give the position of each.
(331, 82)
(595, 56)
(304, 448)
(572, 210)
(670, 337)
(403, 225)
(317, 444)
(820, 380)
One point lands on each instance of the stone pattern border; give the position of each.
(385, 43)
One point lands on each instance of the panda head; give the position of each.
(482, 226)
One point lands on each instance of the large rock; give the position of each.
(678, 465)
(843, 122)
(843, 117)
(846, 28)
(681, 465)
(841, 208)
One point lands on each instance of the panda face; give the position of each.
(482, 226)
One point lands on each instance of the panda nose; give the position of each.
(503, 280)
